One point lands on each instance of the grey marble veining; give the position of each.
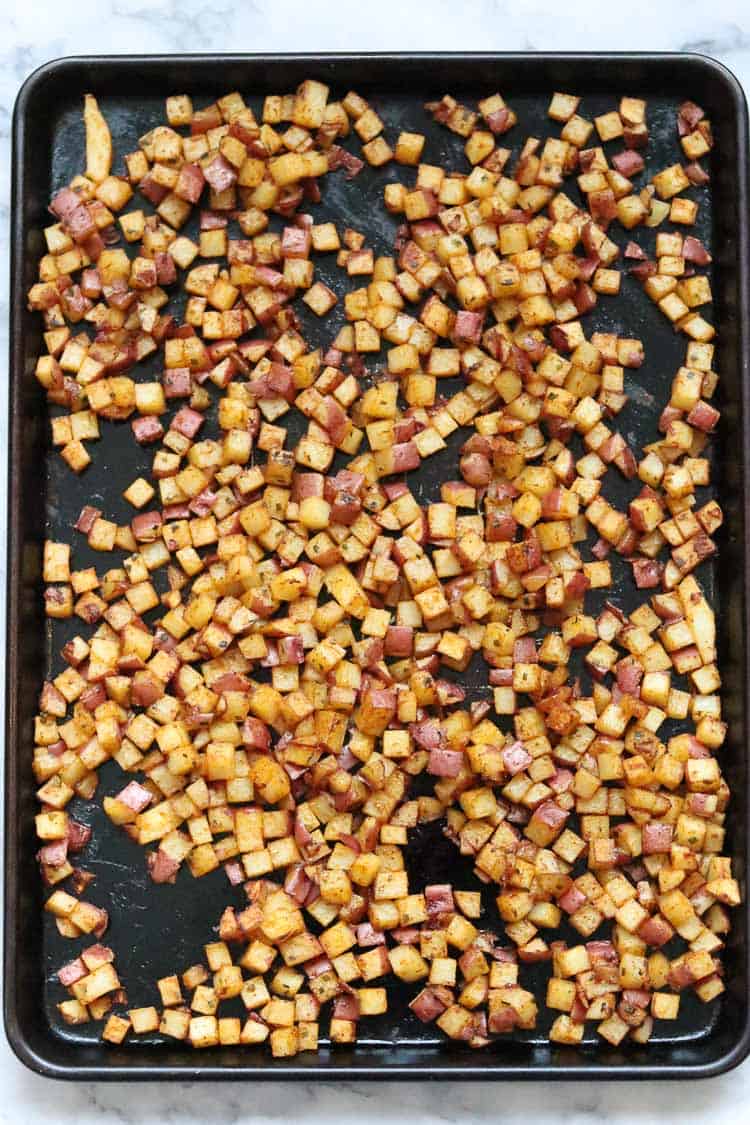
(37, 30)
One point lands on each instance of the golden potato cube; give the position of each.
(407, 963)
(115, 1029)
(144, 1020)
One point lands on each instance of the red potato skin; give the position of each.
(187, 422)
(80, 223)
(146, 526)
(647, 573)
(467, 327)
(696, 174)
(656, 931)
(135, 796)
(190, 183)
(280, 381)
(78, 836)
(345, 509)
(296, 242)
(154, 192)
(337, 423)
(399, 641)
(53, 855)
(166, 270)
(657, 838)
(476, 469)
(147, 430)
(445, 763)
(694, 251)
(256, 735)
(431, 1003)
(405, 457)
(308, 484)
(161, 867)
(213, 220)
(516, 758)
(339, 157)
(72, 972)
(629, 163)
(146, 689)
(704, 417)
(177, 382)
(220, 174)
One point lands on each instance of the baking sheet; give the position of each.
(156, 930)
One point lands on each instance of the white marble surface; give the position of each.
(37, 30)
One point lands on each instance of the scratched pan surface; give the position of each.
(156, 930)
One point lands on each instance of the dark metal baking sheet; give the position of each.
(157, 929)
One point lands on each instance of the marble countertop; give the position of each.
(38, 30)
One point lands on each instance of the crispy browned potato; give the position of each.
(98, 141)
